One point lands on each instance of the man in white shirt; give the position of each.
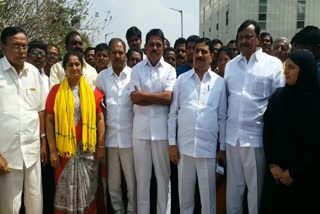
(37, 57)
(152, 83)
(115, 83)
(37, 54)
(73, 43)
(22, 102)
(251, 78)
(197, 116)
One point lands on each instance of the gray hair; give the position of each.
(285, 40)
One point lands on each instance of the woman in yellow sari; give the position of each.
(75, 130)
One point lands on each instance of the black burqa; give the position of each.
(291, 140)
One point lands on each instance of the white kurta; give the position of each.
(150, 133)
(250, 83)
(197, 116)
(22, 97)
(118, 141)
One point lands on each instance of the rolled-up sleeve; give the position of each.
(135, 82)
(278, 78)
(173, 115)
(171, 79)
(222, 116)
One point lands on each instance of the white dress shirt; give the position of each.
(57, 74)
(198, 114)
(22, 96)
(119, 113)
(150, 122)
(249, 86)
(45, 80)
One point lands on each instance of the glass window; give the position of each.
(262, 17)
(227, 17)
(301, 13)
(262, 14)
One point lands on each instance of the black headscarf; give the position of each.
(307, 81)
(303, 97)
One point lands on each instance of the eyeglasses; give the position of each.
(38, 53)
(17, 47)
(52, 54)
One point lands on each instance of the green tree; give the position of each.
(50, 20)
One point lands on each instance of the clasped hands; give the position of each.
(137, 96)
(280, 175)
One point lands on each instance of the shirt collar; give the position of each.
(193, 72)
(8, 67)
(160, 63)
(124, 71)
(257, 55)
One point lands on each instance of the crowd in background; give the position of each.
(200, 127)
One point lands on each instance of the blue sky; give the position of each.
(148, 14)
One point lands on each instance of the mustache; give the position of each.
(199, 59)
(244, 45)
(180, 56)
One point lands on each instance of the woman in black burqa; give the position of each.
(291, 140)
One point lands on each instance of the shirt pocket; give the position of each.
(261, 86)
(31, 97)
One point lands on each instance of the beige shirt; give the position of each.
(57, 74)
(22, 96)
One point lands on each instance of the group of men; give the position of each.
(152, 117)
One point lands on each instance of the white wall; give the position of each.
(281, 17)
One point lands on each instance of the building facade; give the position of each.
(281, 18)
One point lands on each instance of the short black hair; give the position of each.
(232, 42)
(248, 22)
(155, 32)
(116, 40)
(72, 53)
(101, 47)
(217, 41)
(88, 49)
(226, 50)
(52, 45)
(10, 31)
(134, 49)
(133, 31)
(179, 41)
(167, 42)
(264, 34)
(192, 38)
(169, 49)
(37, 44)
(70, 35)
(207, 41)
(310, 35)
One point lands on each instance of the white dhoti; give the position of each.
(146, 153)
(204, 168)
(245, 167)
(11, 187)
